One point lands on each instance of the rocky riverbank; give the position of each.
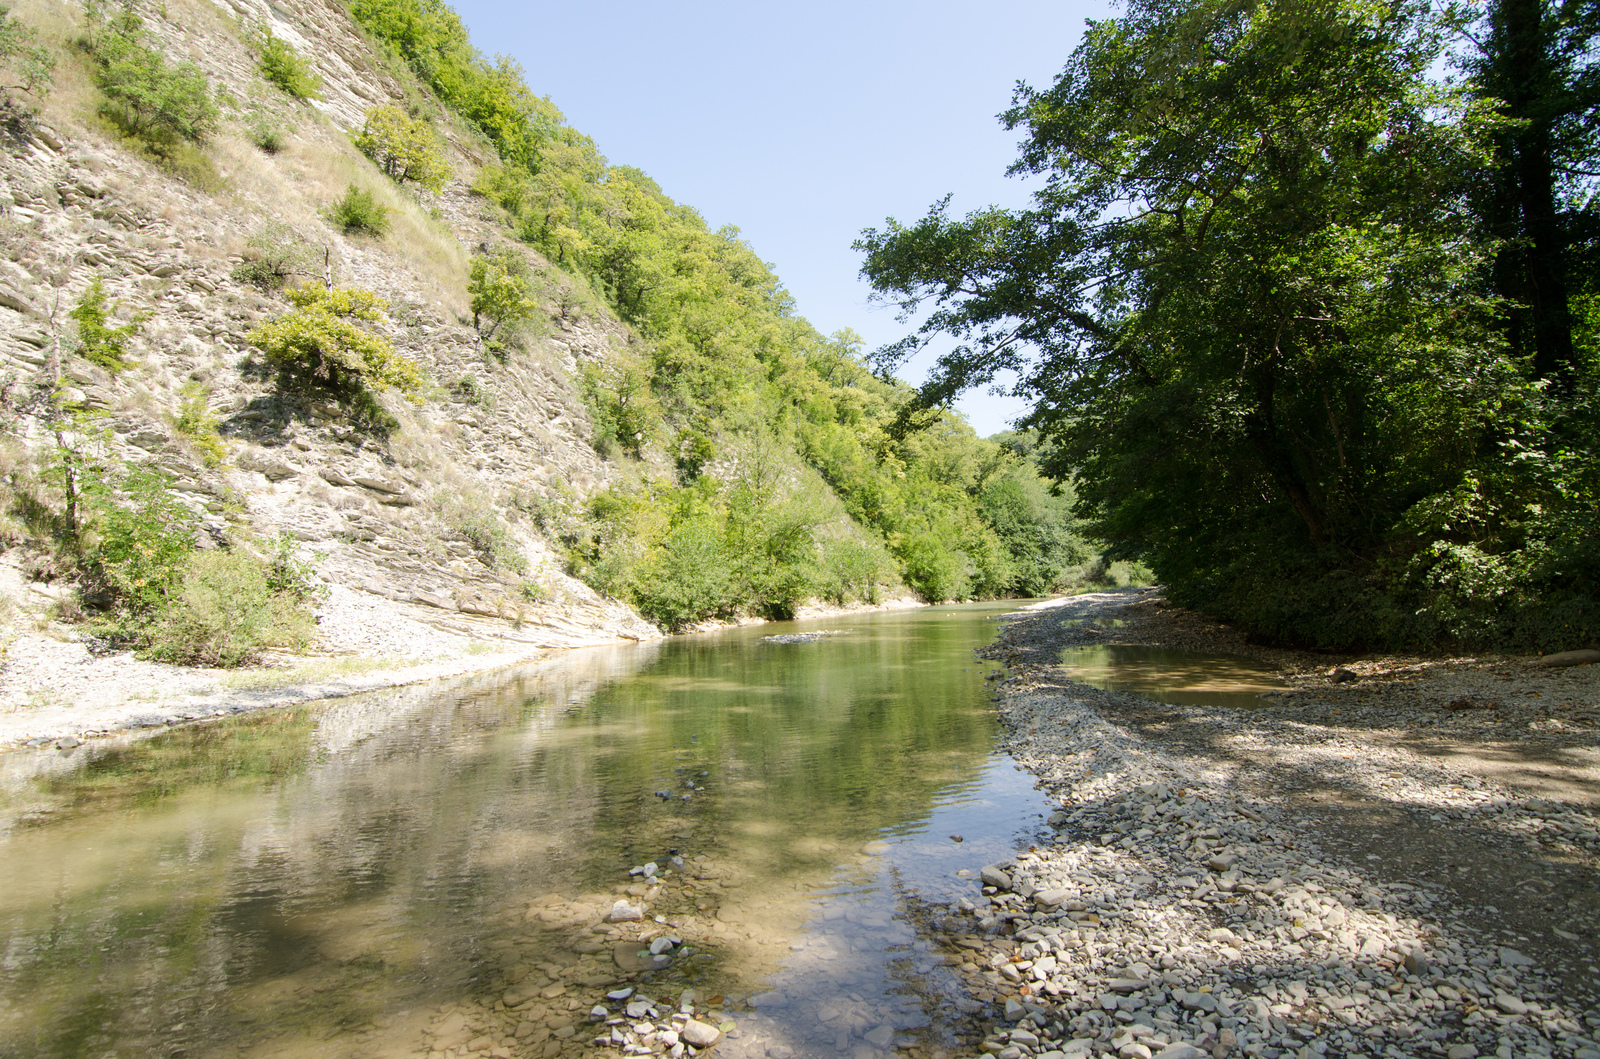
(1365, 867)
(60, 688)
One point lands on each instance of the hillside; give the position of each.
(640, 423)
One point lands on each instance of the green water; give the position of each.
(319, 881)
(1186, 677)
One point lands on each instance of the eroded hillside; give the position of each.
(430, 516)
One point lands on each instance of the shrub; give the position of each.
(284, 67)
(159, 103)
(224, 612)
(277, 254)
(404, 148)
(287, 572)
(195, 423)
(267, 136)
(142, 535)
(499, 290)
(467, 388)
(322, 338)
(359, 213)
(98, 341)
(854, 570)
(476, 522)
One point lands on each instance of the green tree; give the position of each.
(1537, 65)
(143, 535)
(404, 147)
(147, 97)
(491, 95)
(30, 65)
(98, 341)
(323, 339)
(498, 286)
(1245, 297)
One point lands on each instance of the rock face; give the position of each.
(432, 515)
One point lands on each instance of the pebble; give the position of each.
(1170, 917)
(623, 912)
(699, 1034)
(1510, 1005)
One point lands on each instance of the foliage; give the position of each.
(267, 136)
(498, 287)
(403, 147)
(853, 569)
(159, 103)
(30, 65)
(1536, 63)
(224, 612)
(284, 67)
(359, 213)
(1035, 526)
(323, 340)
(286, 573)
(467, 388)
(195, 422)
(277, 254)
(491, 96)
(687, 554)
(142, 536)
(474, 519)
(625, 411)
(724, 369)
(98, 341)
(1255, 292)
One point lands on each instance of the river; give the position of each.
(379, 875)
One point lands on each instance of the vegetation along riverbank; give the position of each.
(333, 358)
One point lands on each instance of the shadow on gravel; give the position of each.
(1515, 866)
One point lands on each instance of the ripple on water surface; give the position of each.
(427, 870)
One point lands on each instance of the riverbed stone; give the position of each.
(625, 912)
(698, 1034)
(994, 875)
(1510, 1005)
(1047, 899)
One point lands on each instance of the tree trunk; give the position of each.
(1518, 68)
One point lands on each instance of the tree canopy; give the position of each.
(1251, 300)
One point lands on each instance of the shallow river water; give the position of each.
(427, 870)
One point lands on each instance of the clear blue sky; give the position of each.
(800, 123)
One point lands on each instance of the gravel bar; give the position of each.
(1216, 886)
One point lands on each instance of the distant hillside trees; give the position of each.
(787, 479)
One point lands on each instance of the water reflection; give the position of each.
(1186, 677)
(385, 875)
